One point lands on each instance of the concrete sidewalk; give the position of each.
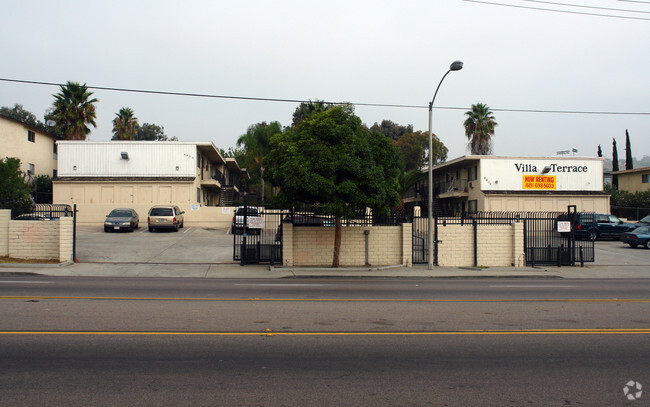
(262, 271)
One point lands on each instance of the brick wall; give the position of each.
(498, 245)
(5, 216)
(36, 239)
(314, 246)
(65, 239)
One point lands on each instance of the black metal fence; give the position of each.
(262, 242)
(543, 243)
(630, 213)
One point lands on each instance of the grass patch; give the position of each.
(7, 259)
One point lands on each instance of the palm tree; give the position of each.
(125, 125)
(73, 110)
(257, 146)
(479, 129)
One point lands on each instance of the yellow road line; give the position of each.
(45, 297)
(586, 331)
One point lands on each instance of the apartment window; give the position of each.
(53, 173)
(645, 178)
(31, 136)
(198, 195)
(30, 169)
(54, 149)
(472, 173)
(198, 161)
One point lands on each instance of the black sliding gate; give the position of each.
(263, 244)
(544, 244)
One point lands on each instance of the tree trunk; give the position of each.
(337, 242)
(262, 180)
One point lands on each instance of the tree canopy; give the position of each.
(331, 161)
(73, 110)
(392, 130)
(257, 146)
(479, 129)
(152, 132)
(413, 148)
(125, 125)
(14, 188)
(305, 109)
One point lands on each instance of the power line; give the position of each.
(556, 11)
(588, 7)
(261, 99)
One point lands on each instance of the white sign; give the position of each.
(566, 174)
(255, 222)
(564, 226)
(225, 211)
(195, 207)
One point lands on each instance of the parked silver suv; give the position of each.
(165, 217)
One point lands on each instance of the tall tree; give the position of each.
(305, 109)
(73, 110)
(392, 130)
(629, 165)
(125, 125)
(257, 144)
(600, 151)
(614, 164)
(479, 129)
(329, 159)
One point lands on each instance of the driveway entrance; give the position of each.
(189, 245)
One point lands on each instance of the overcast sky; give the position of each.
(386, 52)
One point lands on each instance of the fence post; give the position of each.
(74, 233)
(582, 262)
(475, 226)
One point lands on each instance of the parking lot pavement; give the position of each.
(615, 253)
(188, 245)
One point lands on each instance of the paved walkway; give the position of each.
(233, 270)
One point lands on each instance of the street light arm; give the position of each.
(434, 95)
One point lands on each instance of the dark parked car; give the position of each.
(238, 221)
(309, 220)
(593, 226)
(121, 219)
(637, 237)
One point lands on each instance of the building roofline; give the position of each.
(470, 158)
(642, 169)
(30, 126)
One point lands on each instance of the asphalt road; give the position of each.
(95, 341)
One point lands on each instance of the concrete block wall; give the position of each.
(65, 239)
(498, 245)
(34, 239)
(456, 245)
(5, 217)
(314, 246)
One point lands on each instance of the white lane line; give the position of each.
(284, 285)
(533, 286)
(26, 282)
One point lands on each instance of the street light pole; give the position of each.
(455, 66)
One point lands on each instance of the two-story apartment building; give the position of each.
(634, 180)
(36, 149)
(101, 175)
(492, 183)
